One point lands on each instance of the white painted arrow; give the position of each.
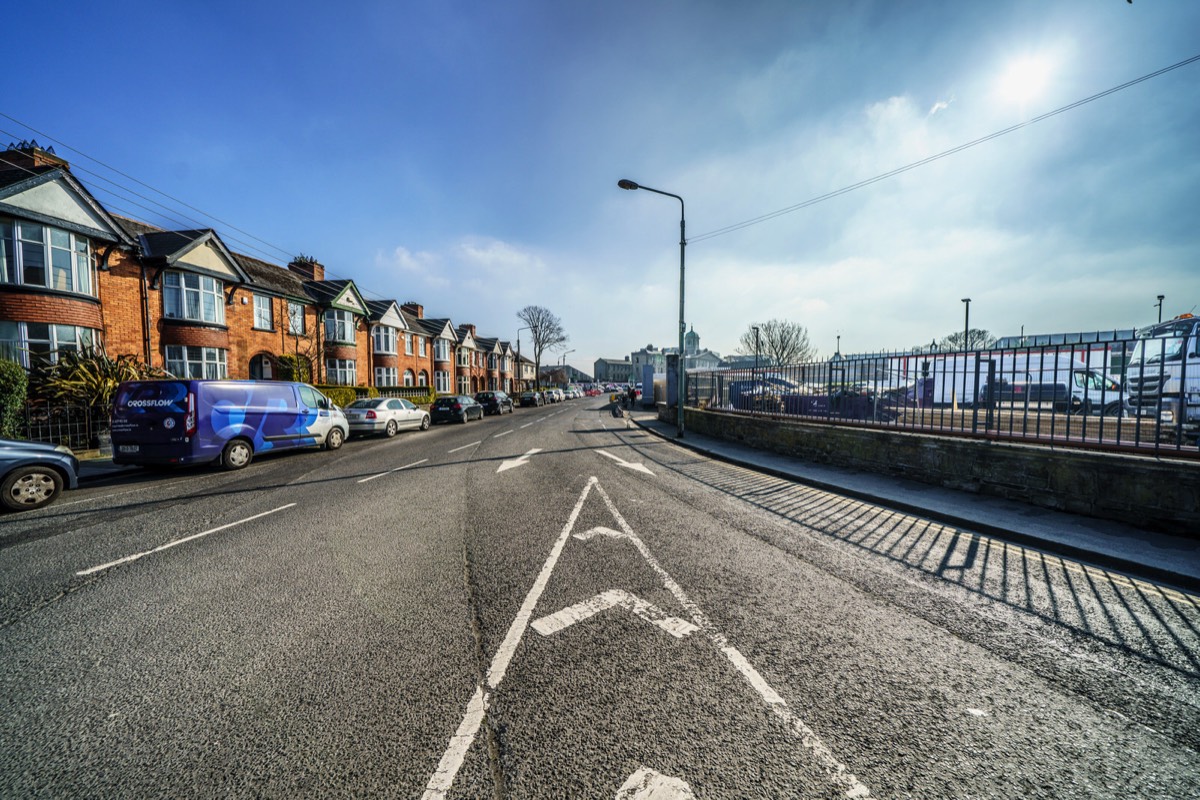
(553, 623)
(647, 784)
(600, 530)
(517, 462)
(639, 467)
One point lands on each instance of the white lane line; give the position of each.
(442, 779)
(498, 435)
(836, 770)
(169, 545)
(464, 447)
(390, 471)
(527, 424)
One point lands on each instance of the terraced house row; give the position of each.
(74, 275)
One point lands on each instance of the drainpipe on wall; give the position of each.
(143, 293)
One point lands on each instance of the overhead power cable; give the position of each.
(899, 170)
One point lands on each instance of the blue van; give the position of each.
(219, 422)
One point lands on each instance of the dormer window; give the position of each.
(40, 255)
(189, 296)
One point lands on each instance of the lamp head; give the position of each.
(627, 184)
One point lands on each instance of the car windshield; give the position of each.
(372, 403)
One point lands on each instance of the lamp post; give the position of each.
(755, 327)
(520, 363)
(1160, 299)
(628, 184)
(967, 325)
(564, 366)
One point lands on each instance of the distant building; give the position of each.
(612, 370)
(648, 355)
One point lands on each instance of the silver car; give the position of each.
(386, 415)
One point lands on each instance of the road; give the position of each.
(551, 605)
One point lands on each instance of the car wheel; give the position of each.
(30, 487)
(425, 422)
(334, 439)
(237, 454)
(465, 416)
(390, 430)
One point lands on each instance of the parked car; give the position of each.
(34, 474)
(455, 407)
(495, 402)
(219, 422)
(385, 415)
(533, 399)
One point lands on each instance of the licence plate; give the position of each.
(128, 448)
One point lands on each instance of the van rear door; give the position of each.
(152, 422)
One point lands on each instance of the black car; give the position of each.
(533, 399)
(456, 408)
(495, 402)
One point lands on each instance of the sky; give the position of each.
(465, 155)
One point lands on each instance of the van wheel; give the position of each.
(390, 430)
(334, 439)
(237, 454)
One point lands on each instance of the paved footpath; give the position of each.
(1111, 545)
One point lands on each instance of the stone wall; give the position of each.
(1148, 492)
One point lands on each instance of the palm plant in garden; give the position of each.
(86, 378)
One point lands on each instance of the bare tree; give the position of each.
(547, 331)
(978, 340)
(780, 341)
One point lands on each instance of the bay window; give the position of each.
(341, 371)
(441, 381)
(201, 363)
(385, 376)
(441, 350)
(26, 342)
(189, 296)
(41, 255)
(339, 326)
(385, 339)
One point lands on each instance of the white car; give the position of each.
(386, 415)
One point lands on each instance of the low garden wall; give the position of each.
(1153, 493)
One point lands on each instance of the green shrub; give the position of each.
(14, 383)
(87, 378)
(340, 395)
(293, 368)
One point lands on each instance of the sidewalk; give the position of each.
(94, 469)
(1111, 545)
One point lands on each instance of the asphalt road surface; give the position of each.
(551, 605)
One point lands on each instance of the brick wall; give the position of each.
(1147, 492)
(53, 309)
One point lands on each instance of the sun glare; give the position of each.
(1024, 80)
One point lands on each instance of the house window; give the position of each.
(385, 339)
(423, 378)
(421, 343)
(493, 362)
(341, 371)
(263, 319)
(408, 348)
(408, 377)
(441, 350)
(295, 313)
(26, 342)
(339, 326)
(187, 295)
(464, 357)
(464, 384)
(39, 255)
(385, 376)
(441, 381)
(196, 362)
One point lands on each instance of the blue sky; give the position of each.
(465, 155)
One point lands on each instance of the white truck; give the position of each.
(1162, 379)
(1060, 380)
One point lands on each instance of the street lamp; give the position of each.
(520, 364)
(755, 327)
(967, 325)
(679, 398)
(1160, 299)
(564, 366)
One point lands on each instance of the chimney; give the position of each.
(414, 308)
(29, 155)
(308, 268)
(471, 328)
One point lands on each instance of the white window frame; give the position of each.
(384, 339)
(422, 378)
(66, 258)
(385, 376)
(193, 297)
(339, 326)
(199, 363)
(409, 378)
(464, 384)
(441, 349)
(464, 357)
(296, 324)
(341, 371)
(421, 346)
(16, 343)
(264, 313)
(441, 381)
(408, 344)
